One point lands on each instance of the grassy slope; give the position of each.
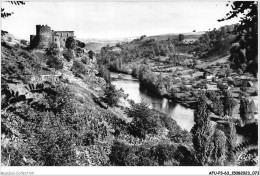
(194, 35)
(188, 36)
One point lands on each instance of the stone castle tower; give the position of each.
(45, 36)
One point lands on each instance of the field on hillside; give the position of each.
(194, 35)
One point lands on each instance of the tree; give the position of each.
(229, 103)
(104, 73)
(111, 95)
(202, 132)
(53, 49)
(135, 71)
(55, 62)
(247, 29)
(91, 54)
(181, 37)
(142, 37)
(228, 72)
(246, 109)
(218, 106)
(167, 81)
(70, 43)
(143, 121)
(81, 44)
(172, 92)
(231, 141)
(220, 149)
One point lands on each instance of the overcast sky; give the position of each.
(115, 19)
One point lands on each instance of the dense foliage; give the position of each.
(214, 42)
(111, 95)
(246, 51)
(70, 43)
(161, 154)
(202, 132)
(55, 62)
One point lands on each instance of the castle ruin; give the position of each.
(45, 36)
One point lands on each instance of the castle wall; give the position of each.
(57, 40)
(63, 35)
(44, 34)
(33, 41)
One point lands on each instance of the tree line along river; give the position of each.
(183, 116)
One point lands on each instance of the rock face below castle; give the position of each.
(45, 36)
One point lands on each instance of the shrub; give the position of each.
(135, 71)
(78, 68)
(173, 92)
(53, 49)
(81, 44)
(85, 60)
(91, 54)
(180, 136)
(228, 72)
(111, 95)
(70, 43)
(144, 122)
(156, 154)
(246, 109)
(23, 42)
(55, 62)
(24, 54)
(17, 45)
(53, 144)
(69, 55)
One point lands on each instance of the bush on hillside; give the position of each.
(69, 55)
(143, 122)
(70, 43)
(80, 44)
(79, 68)
(156, 154)
(53, 49)
(85, 60)
(172, 92)
(111, 95)
(23, 42)
(55, 62)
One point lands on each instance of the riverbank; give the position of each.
(131, 86)
(181, 114)
(187, 104)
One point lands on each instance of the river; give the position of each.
(183, 116)
(131, 86)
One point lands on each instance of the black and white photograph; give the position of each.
(129, 83)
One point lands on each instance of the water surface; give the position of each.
(130, 85)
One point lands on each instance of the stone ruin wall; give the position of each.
(63, 35)
(45, 36)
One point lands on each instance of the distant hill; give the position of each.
(190, 35)
(96, 44)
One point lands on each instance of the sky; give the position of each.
(115, 19)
